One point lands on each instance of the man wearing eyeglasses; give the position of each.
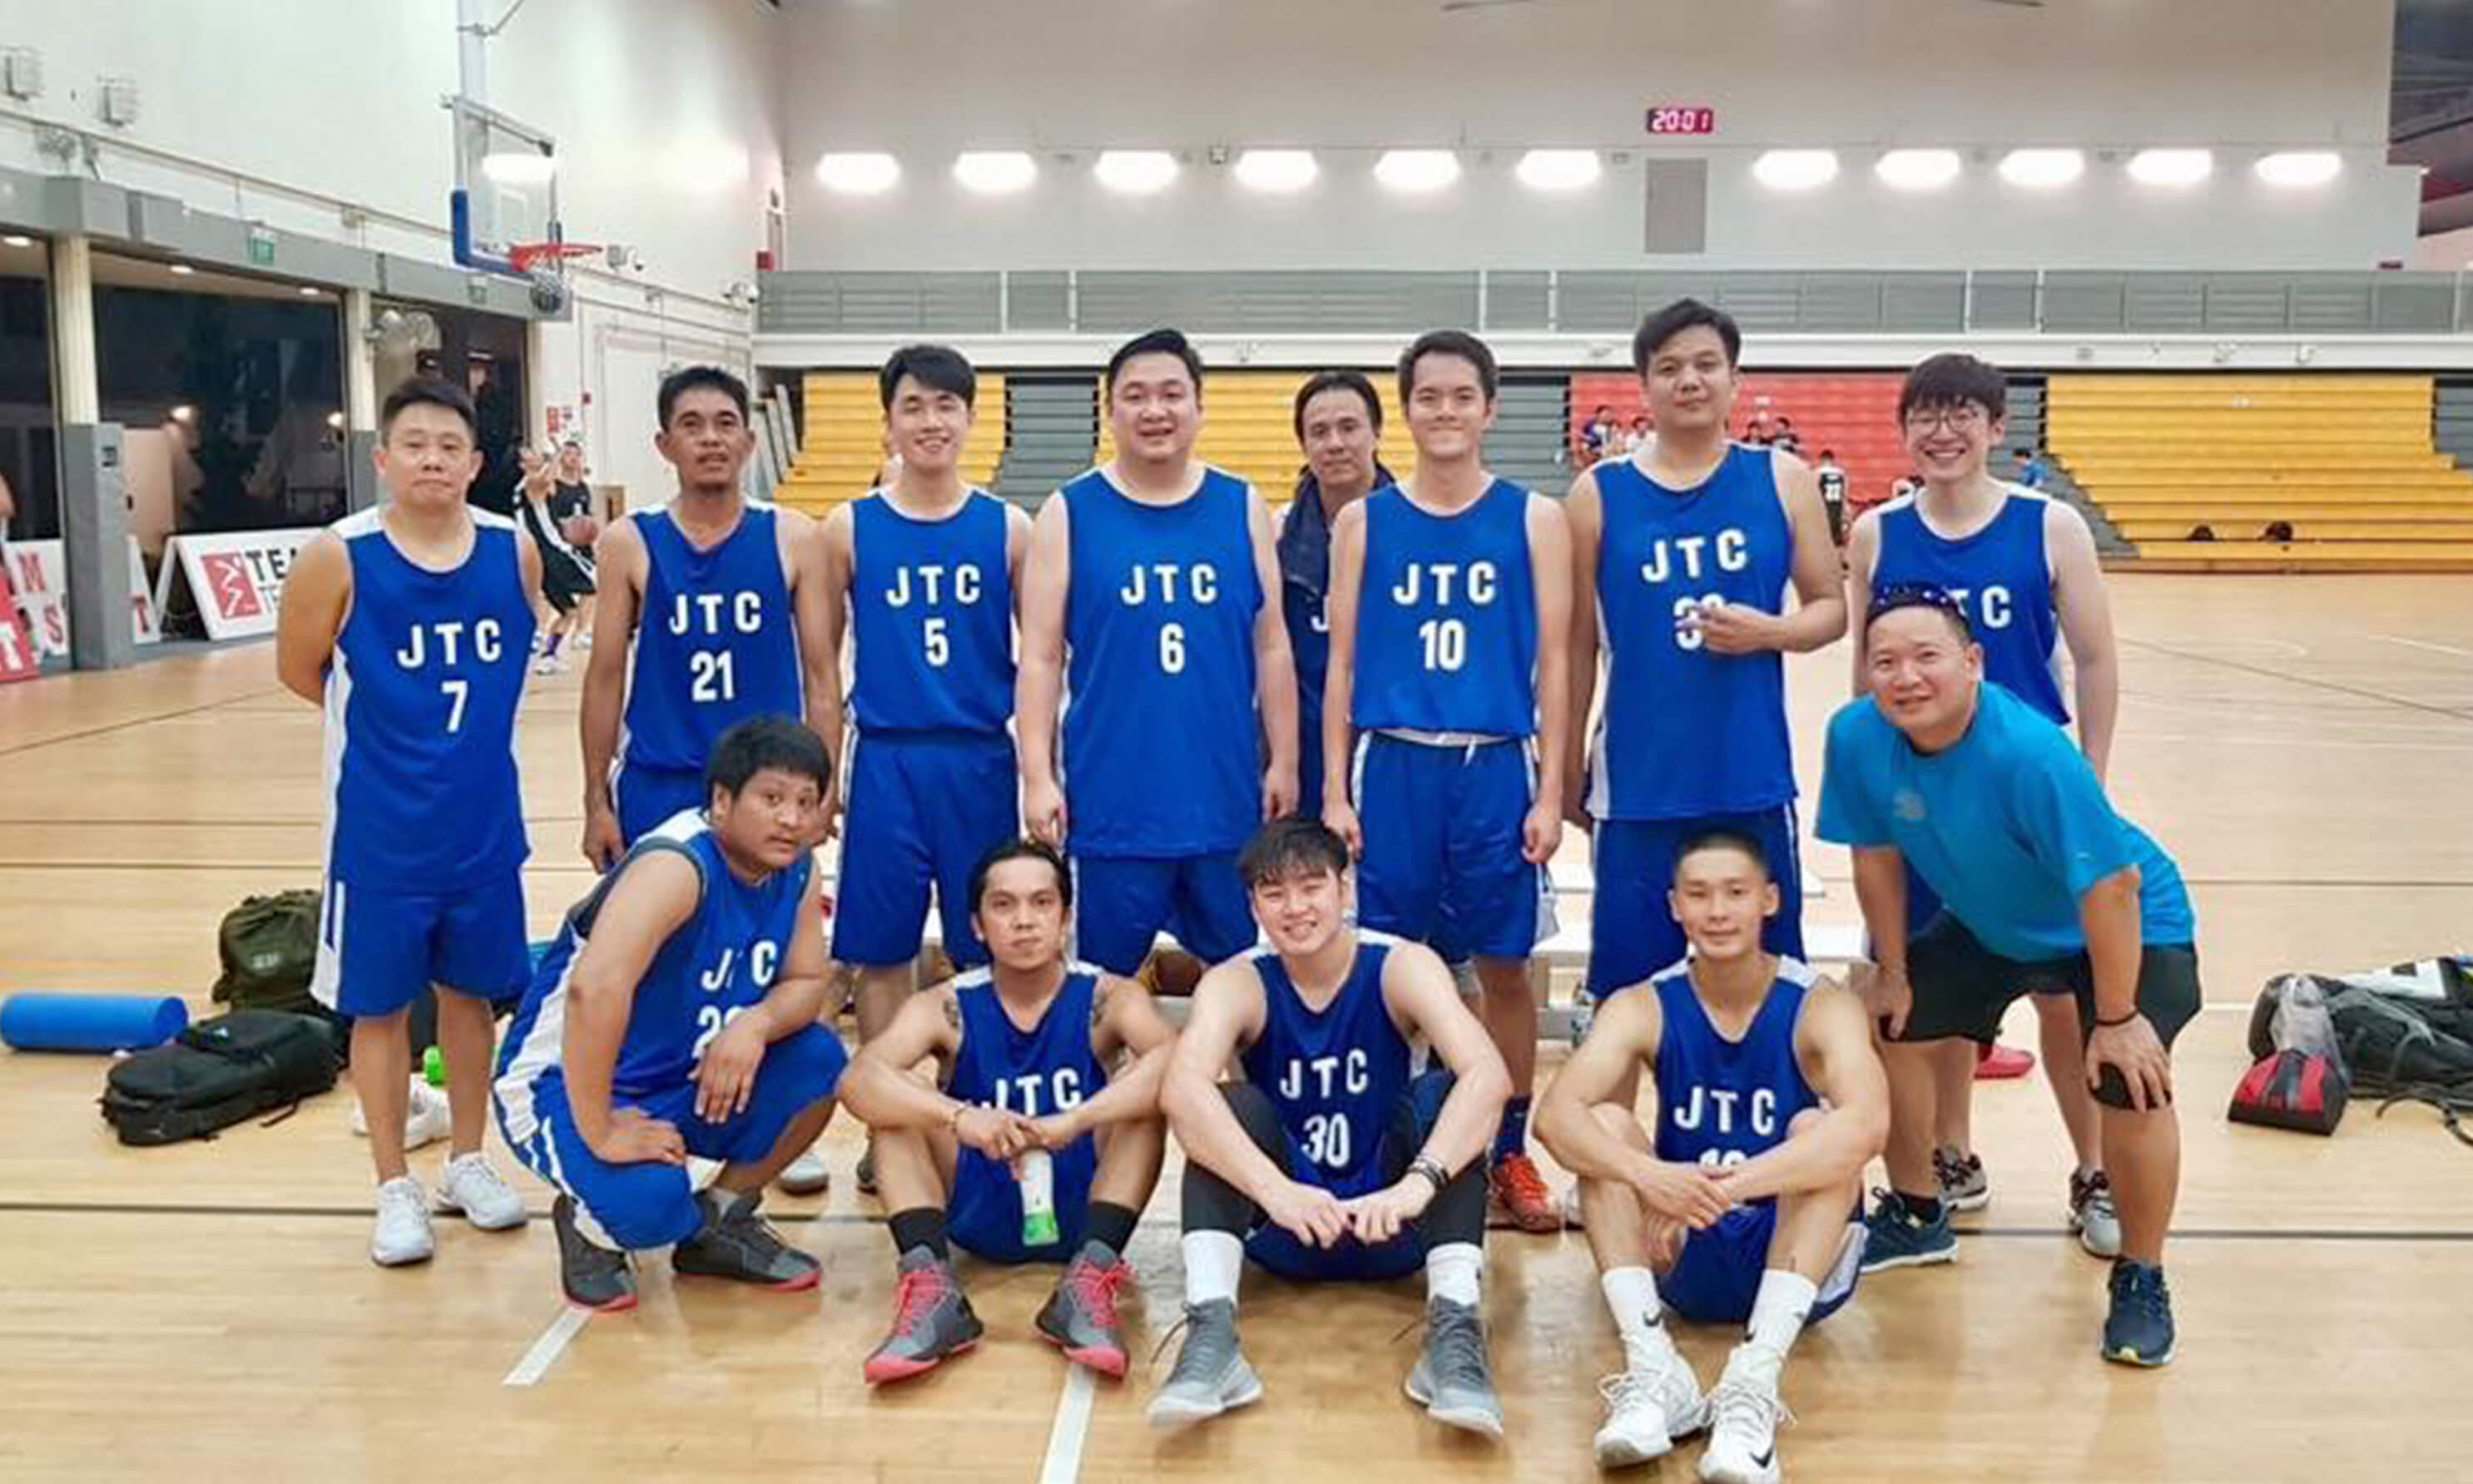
(2039, 882)
(2023, 568)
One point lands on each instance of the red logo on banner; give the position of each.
(235, 591)
(18, 656)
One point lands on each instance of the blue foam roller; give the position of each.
(91, 1022)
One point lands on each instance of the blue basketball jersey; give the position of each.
(1719, 1101)
(1163, 751)
(1333, 1074)
(716, 642)
(1684, 732)
(421, 714)
(1446, 617)
(721, 960)
(2002, 576)
(1034, 1072)
(931, 618)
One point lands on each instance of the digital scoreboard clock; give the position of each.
(1682, 119)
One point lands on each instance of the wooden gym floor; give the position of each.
(2303, 746)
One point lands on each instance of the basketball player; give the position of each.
(922, 572)
(715, 615)
(1329, 1161)
(410, 624)
(2038, 880)
(1445, 713)
(1036, 1053)
(1681, 559)
(675, 1016)
(2025, 569)
(1155, 574)
(571, 505)
(1338, 422)
(1745, 1204)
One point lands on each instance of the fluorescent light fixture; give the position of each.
(1135, 172)
(309, 291)
(182, 270)
(15, 241)
(334, 419)
(1559, 170)
(994, 172)
(1917, 170)
(1417, 171)
(2171, 167)
(1277, 171)
(2042, 169)
(185, 412)
(858, 172)
(2297, 168)
(519, 167)
(1795, 170)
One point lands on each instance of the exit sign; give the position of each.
(261, 247)
(1671, 118)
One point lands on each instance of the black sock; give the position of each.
(1111, 1225)
(1925, 1209)
(921, 1227)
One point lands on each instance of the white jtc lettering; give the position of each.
(1322, 1077)
(1037, 1095)
(1170, 582)
(1992, 605)
(711, 613)
(712, 979)
(1714, 1109)
(933, 584)
(1437, 582)
(761, 959)
(449, 644)
(1697, 556)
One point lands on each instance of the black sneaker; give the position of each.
(2138, 1331)
(931, 1320)
(594, 1276)
(738, 1244)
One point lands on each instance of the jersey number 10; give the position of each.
(1446, 641)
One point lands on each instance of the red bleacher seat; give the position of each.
(1854, 415)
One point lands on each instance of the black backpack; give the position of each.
(2407, 1032)
(269, 947)
(218, 1072)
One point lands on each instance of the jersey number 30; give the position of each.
(1326, 1141)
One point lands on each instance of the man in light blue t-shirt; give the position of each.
(1999, 814)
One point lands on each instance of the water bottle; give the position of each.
(1037, 1199)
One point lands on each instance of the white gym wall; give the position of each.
(1348, 77)
(290, 111)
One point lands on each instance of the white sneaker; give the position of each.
(547, 663)
(1647, 1409)
(2093, 1215)
(402, 1234)
(428, 1117)
(806, 1175)
(1745, 1413)
(469, 1185)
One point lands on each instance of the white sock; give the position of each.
(1631, 1296)
(1454, 1270)
(1778, 1311)
(1212, 1260)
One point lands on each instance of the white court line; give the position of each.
(1063, 1463)
(549, 1347)
(2440, 649)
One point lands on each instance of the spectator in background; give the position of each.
(1785, 437)
(1639, 437)
(1601, 436)
(1833, 494)
(2036, 470)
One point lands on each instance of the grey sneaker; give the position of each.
(2092, 1215)
(1211, 1374)
(1963, 1184)
(594, 1276)
(931, 1320)
(1450, 1381)
(738, 1244)
(1081, 1316)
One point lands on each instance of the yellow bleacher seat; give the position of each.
(841, 442)
(1248, 429)
(2331, 471)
